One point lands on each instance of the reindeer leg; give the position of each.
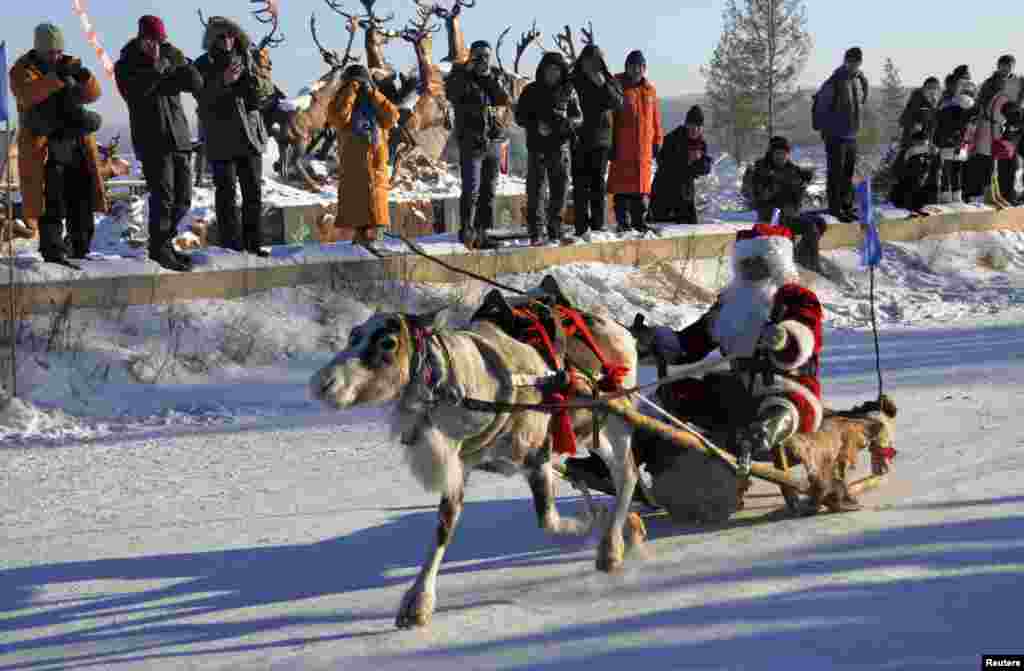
(616, 451)
(417, 605)
(541, 478)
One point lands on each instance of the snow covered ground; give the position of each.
(211, 516)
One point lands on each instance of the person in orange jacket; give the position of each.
(637, 140)
(363, 117)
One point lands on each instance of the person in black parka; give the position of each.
(682, 159)
(600, 97)
(151, 76)
(915, 163)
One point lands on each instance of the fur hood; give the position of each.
(552, 58)
(217, 26)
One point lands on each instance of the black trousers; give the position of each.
(68, 196)
(841, 158)
(479, 185)
(169, 180)
(245, 235)
(551, 168)
(952, 177)
(1007, 175)
(630, 210)
(589, 183)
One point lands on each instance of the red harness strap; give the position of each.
(612, 375)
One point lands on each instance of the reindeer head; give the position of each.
(268, 14)
(419, 29)
(456, 9)
(377, 365)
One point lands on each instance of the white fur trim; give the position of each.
(763, 246)
(784, 385)
(804, 337)
(782, 402)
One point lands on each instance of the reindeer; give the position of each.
(306, 118)
(426, 118)
(457, 51)
(111, 164)
(408, 359)
(515, 82)
(375, 39)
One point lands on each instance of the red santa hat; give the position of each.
(763, 240)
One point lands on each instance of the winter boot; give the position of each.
(758, 440)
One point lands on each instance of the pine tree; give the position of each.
(752, 77)
(893, 100)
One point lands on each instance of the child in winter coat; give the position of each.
(682, 159)
(915, 165)
(954, 133)
(549, 110)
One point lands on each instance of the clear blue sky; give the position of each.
(923, 37)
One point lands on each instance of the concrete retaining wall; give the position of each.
(228, 284)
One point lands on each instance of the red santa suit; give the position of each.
(787, 377)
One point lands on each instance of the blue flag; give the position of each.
(4, 116)
(871, 252)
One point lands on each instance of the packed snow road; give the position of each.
(287, 544)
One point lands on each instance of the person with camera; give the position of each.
(230, 105)
(601, 98)
(151, 75)
(682, 159)
(549, 111)
(363, 118)
(58, 160)
(476, 90)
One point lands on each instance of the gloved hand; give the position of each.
(667, 342)
(773, 338)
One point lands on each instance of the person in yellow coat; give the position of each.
(363, 118)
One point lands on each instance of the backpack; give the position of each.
(818, 114)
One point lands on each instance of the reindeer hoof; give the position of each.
(416, 610)
(610, 555)
(636, 530)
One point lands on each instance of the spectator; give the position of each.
(549, 110)
(910, 190)
(775, 182)
(475, 91)
(601, 98)
(920, 112)
(682, 159)
(364, 117)
(995, 150)
(954, 133)
(837, 115)
(636, 141)
(230, 102)
(151, 75)
(58, 161)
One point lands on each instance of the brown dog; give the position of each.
(831, 451)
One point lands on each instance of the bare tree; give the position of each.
(894, 97)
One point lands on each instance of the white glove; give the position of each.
(667, 342)
(773, 338)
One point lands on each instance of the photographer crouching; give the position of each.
(229, 110)
(475, 90)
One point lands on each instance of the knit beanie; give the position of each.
(779, 142)
(357, 72)
(1007, 59)
(152, 27)
(695, 116)
(854, 54)
(635, 57)
(48, 37)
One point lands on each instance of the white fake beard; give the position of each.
(745, 309)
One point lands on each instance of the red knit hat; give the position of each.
(152, 27)
(763, 240)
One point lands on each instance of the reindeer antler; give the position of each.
(443, 13)
(330, 57)
(529, 37)
(268, 14)
(372, 19)
(566, 44)
(588, 34)
(497, 47)
(353, 23)
(420, 27)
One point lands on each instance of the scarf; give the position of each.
(364, 119)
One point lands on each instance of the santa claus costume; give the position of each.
(770, 327)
